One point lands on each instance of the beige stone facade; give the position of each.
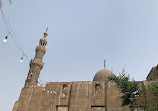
(96, 95)
(153, 75)
(77, 96)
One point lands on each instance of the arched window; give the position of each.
(98, 89)
(64, 91)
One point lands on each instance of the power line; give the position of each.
(12, 31)
(10, 2)
(134, 5)
(14, 38)
(17, 43)
(41, 80)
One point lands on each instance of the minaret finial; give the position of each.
(104, 63)
(45, 33)
(46, 29)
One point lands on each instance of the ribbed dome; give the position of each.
(102, 75)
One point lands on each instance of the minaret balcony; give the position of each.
(36, 62)
(41, 48)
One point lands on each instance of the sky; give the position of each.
(81, 34)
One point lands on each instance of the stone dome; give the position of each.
(102, 75)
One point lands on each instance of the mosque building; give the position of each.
(97, 95)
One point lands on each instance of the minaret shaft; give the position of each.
(36, 64)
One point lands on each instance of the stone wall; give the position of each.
(78, 96)
(153, 75)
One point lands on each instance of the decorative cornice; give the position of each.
(41, 48)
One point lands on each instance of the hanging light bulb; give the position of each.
(5, 39)
(54, 92)
(21, 60)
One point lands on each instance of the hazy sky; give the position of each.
(82, 33)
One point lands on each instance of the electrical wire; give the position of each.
(6, 22)
(15, 39)
(41, 80)
(10, 2)
(134, 5)
(12, 31)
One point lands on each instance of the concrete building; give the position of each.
(96, 95)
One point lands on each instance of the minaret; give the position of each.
(36, 64)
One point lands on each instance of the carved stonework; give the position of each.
(98, 89)
(64, 91)
(43, 42)
(41, 48)
(36, 62)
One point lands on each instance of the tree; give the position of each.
(128, 87)
(153, 108)
(154, 89)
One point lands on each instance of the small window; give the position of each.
(98, 90)
(65, 91)
(62, 108)
(98, 108)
